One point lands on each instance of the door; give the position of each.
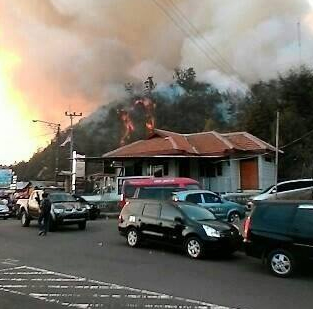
(214, 204)
(149, 221)
(33, 204)
(171, 229)
(302, 231)
(249, 174)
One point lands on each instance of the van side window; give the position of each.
(151, 210)
(274, 217)
(169, 212)
(304, 221)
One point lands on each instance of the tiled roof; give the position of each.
(214, 144)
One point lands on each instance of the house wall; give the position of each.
(266, 172)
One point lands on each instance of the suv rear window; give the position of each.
(274, 218)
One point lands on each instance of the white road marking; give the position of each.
(121, 295)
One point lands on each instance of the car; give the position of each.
(65, 210)
(4, 211)
(281, 234)
(92, 208)
(299, 189)
(181, 224)
(222, 208)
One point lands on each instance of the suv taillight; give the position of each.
(247, 227)
(120, 218)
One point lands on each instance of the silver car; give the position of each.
(300, 189)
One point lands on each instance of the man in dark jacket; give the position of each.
(45, 208)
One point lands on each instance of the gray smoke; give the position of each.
(81, 52)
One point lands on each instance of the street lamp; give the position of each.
(57, 127)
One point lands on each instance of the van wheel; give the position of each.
(233, 217)
(281, 263)
(194, 247)
(133, 237)
(24, 219)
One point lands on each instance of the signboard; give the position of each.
(80, 166)
(5, 178)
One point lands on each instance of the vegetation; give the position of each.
(190, 106)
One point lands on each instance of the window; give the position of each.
(129, 190)
(197, 213)
(211, 198)
(156, 193)
(151, 210)
(194, 198)
(304, 221)
(219, 169)
(275, 218)
(169, 212)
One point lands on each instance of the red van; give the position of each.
(146, 187)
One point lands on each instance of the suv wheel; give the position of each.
(234, 217)
(281, 263)
(194, 247)
(133, 237)
(24, 219)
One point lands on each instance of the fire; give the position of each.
(128, 125)
(149, 107)
(15, 118)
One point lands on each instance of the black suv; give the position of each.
(281, 234)
(177, 223)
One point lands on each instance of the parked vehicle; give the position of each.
(281, 234)
(4, 211)
(221, 208)
(130, 186)
(65, 210)
(92, 209)
(180, 224)
(300, 189)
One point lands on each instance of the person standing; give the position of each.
(45, 208)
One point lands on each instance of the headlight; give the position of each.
(58, 210)
(87, 206)
(211, 232)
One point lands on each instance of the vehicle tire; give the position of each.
(82, 225)
(281, 263)
(233, 217)
(194, 248)
(25, 219)
(133, 237)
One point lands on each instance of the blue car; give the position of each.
(222, 209)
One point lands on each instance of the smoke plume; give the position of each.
(79, 53)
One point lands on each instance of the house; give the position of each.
(221, 162)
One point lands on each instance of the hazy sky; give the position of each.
(61, 54)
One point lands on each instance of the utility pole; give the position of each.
(299, 43)
(277, 151)
(72, 115)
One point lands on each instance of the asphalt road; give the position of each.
(96, 269)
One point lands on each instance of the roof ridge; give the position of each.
(120, 148)
(223, 139)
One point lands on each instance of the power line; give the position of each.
(193, 40)
(184, 31)
(223, 61)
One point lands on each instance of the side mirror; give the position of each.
(274, 191)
